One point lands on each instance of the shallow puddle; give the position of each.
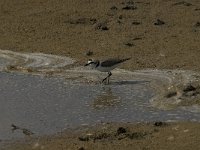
(67, 98)
(48, 105)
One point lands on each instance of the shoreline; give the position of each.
(156, 135)
(157, 34)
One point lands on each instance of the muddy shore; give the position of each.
(156, 34)
(140, 136)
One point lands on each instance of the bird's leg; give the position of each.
(109, 74)
(107, 78)
(104, 79)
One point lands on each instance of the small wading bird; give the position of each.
(106, 65)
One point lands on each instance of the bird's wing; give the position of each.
(112, 62)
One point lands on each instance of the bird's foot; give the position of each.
(103, 81)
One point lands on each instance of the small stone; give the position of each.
(119, 22)
(159, 123)
(159, 22)
(121, 130)
(129, 7)
(120, 17)
(183, 3)
(89, 53)
(81, 148)
(136, 23)
(113, 8)
(104, 28)
(129, 44)
(83, 138)
(89, 21)
(27, 132)
(197, 24)
(101, 26)
(137, 38)
(171, 94)
(189, 88)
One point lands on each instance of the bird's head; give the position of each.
(90, 61)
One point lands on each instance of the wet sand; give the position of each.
(156, 34)
(127, 136)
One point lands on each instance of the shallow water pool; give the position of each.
(47, 105)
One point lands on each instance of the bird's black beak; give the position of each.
(86, 64)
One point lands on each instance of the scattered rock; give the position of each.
(191, 91)
(27, 132)
(89, 21)
(137, 135)
(119, 22)
(129, 44)
(11, 67)
(159, 22)
(197, 24)
(120, 17)
(88, 53)
(81, 148)
(94, 137)
(137, 38)
(171, 94)
(159, 123)
(113, 8)
(121, 130)
(189, 88)
(101, 26)
(136, 23)
(130, 2)
(183, 3)
(129, 7)
(86, 138)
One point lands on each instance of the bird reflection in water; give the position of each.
(106, 99)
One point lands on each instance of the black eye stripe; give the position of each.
(91, 62)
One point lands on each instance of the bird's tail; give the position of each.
(125, 59)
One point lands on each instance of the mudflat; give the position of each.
(157, 34)
(141, 136)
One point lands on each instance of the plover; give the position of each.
(106, 65)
